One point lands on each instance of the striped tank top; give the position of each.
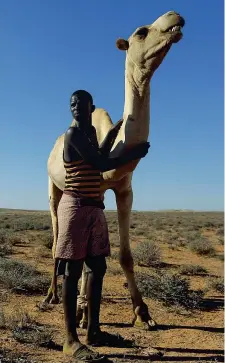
(82, 179)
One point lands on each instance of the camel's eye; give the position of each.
(142, 32)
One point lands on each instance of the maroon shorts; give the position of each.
(82, 230)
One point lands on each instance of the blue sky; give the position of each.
(51, 48)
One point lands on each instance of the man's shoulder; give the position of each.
(71, 132)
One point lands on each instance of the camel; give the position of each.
(145, 50)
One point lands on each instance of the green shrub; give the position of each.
(21, 277)
(147, 253)
(171, 289)
(220, 231)
(202, 246)
(193, 270)
(217, 284)
(47, 239)
(6, 356)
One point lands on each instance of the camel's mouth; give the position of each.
(175, 28)
(175, 31)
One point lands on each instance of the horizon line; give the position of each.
(115, 210)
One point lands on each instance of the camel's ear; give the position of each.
(122, 44)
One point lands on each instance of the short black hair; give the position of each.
(82, 94)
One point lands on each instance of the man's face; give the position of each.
(81, 108)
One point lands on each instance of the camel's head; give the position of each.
(148, 45)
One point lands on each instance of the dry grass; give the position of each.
(193, 270)
(202, 246)
(147, 253)
(217, 284)
(25, 329)
(179, 271)
(171, 289)
(6, 356)
(21, 277)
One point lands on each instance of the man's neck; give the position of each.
(84, 125)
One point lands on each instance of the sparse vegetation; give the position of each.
(114, 239)
(220, 231)
(114, 270)
(22, 277)
(147, 253)
(28, 236)
(217, 284)
(220, 257)
(10, 357)
(221, 241)
(171, 289)
(193, 270)
(202, 246)
(47, 239)
(26, 330)
(5, 243)
(25, 221)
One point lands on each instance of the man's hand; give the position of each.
(140, 150)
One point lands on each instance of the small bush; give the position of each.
(147, 254)
(32, 334)
(191, 235)
(114, 255)
(5, 243)
(170, 289)
(47, 239)
(193, 270)
(114, 240)
(221, 241)
(220, 231)
(217, 285)
(220, 257)
(26, 330)
(21, 277)
(202, 246)
(2, 320)
(114, 270)
(140, 231)
(7, 356)
(5, 249)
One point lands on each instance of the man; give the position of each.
(83, 232)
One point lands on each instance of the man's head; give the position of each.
(81, 105)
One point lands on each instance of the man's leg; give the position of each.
(96, 267)
(69, 295)
(72, 345)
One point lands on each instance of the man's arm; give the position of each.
(80, 142)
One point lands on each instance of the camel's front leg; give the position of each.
(124, 201)
(55, 195)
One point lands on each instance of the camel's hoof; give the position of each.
(152, 323)
(54, 300)
(43, 305)
(83, 324)
(143, 325)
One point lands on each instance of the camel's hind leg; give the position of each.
(124, 199)
(55, 195)
(82, 306)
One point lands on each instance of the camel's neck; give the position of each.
(136, 111)
(136, 115)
